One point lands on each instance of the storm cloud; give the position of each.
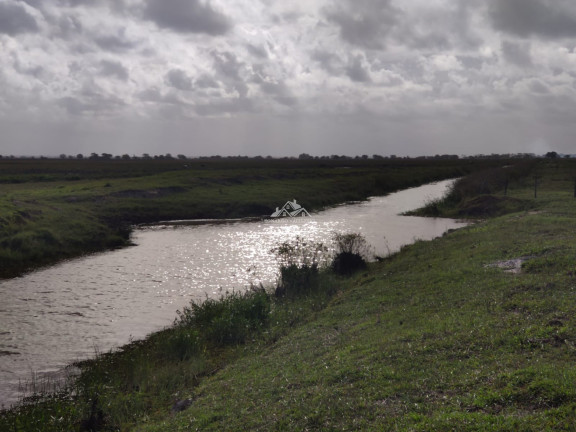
(262, 77)
(15, 19)
(525, 18)
(187, 16)
(365, 23)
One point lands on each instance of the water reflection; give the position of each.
(67, 312)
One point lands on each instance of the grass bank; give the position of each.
(56, 209)
(440, 336)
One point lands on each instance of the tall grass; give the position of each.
(231, 319)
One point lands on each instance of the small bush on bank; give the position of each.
(346, 263)
(230, 319)
(352, 251)
(300, 265)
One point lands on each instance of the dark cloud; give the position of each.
(179, 79)
(187, 16)
(334, 65)
(116, 43)
(517, 53)
(35, 71)
(230, 68)
(113, 5)
(546, 18)
(328, 61)
(151, 95)
(257, 51)
(471, 62)
(364, 23)
(15, 19)
(34, 3)
(356, 70)
(280, 92)
(114, 69)
(68, 26)
(536, 86)
(435, 28)
(206, 82)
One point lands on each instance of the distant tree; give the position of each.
(304, 156)
(79, 156)
(146, 156)
(181, 157)
(63, 156)
(106, 156)
(126, 156)
(94, 156)
(551, 155)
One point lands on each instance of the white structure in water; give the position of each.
(290, 209)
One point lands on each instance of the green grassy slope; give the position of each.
(436, 337)
(432, 339)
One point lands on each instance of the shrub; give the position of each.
(229, 319)
(351, 253)
(300, 264)
(346, 263)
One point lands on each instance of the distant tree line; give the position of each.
(302, 156)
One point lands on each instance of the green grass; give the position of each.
(431, 338)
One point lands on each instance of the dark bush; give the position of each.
(346, 263)
(352, 252)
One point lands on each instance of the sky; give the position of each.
(281, 78)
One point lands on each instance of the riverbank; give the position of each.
(51, 210)
(435, 337)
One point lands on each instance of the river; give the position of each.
(57, 315)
